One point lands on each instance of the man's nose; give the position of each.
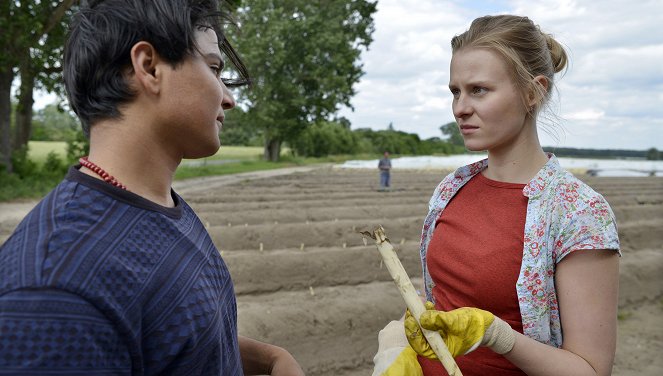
(228, 100)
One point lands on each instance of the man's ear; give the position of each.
(537, 91)
(145, 63)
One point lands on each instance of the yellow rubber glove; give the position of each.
(405, 364)
(395, 357)
(463, 330)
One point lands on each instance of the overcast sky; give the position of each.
(610, 97)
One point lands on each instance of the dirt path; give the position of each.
(305, 280)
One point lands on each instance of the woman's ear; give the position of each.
(537, 91)
(145, 62)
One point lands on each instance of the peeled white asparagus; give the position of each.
(412, 299)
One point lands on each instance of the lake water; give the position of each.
(598, 167)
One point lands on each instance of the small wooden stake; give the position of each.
(412, 299)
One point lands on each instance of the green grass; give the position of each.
(37, 177)
(236, 159)
(234, 152)
(186, 172)
(257, 164)
(624, 315)
(38, 150)
(13, 187)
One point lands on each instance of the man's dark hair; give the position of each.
(102, 33)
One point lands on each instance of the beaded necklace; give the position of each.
(108, 178)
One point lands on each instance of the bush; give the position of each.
(77, 147)
(23, 166)
(53, 167)
(30, 180)
(401, 143)
(324, 139)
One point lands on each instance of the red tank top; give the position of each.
(474, 259)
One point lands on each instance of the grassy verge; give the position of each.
(38, 150)
(229, 160)
(13, 187)
(186, 172)
(233, 153)
(248, 165)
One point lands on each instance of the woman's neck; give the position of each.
(517, 163)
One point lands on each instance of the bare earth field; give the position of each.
(305, 280)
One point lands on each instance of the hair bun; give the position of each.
(557, 53)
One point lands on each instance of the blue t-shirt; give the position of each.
(99, 281)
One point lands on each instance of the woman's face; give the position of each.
(487, 105)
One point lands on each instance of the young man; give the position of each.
(113, 273)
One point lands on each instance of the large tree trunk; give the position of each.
(272, 149)
(25, 103)
(6, 78)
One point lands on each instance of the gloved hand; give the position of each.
(463, 330)
(395, 357)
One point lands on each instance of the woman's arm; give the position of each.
(587, 284)
(259, 358)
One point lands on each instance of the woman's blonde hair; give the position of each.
(527, 51)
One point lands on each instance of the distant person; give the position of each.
(112, 273)
(384, 165)
(520, 259)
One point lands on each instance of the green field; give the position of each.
(228, 160)
(234, 152)
(38, 150)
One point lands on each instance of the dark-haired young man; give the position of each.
(112, 273)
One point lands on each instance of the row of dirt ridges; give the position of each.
(306, 281)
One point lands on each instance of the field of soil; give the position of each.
(305, 280)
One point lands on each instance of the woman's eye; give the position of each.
(455, 92)
(216, 69)
(479, 90)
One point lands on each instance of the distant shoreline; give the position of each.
(590, 166)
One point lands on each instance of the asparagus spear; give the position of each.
(412, 299)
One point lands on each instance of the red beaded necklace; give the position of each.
(108, 178)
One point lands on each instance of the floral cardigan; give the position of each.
(563, 215)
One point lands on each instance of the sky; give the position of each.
(611, 96)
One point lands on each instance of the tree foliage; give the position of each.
(327, 138)
(402, 143)
(304, 59)
(32, 37)
(653, 154)
(238, 129)
(452, 133)
(53, 123)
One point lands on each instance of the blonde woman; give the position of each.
(520, 258)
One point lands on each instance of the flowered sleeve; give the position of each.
(587, 222)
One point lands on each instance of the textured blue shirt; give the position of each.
(99, 281)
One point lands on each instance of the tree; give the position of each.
(238, 130)
(32, 38)
(453, 134)
(653, 154)
(53, 123)
(303, 57)
(326, 138)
